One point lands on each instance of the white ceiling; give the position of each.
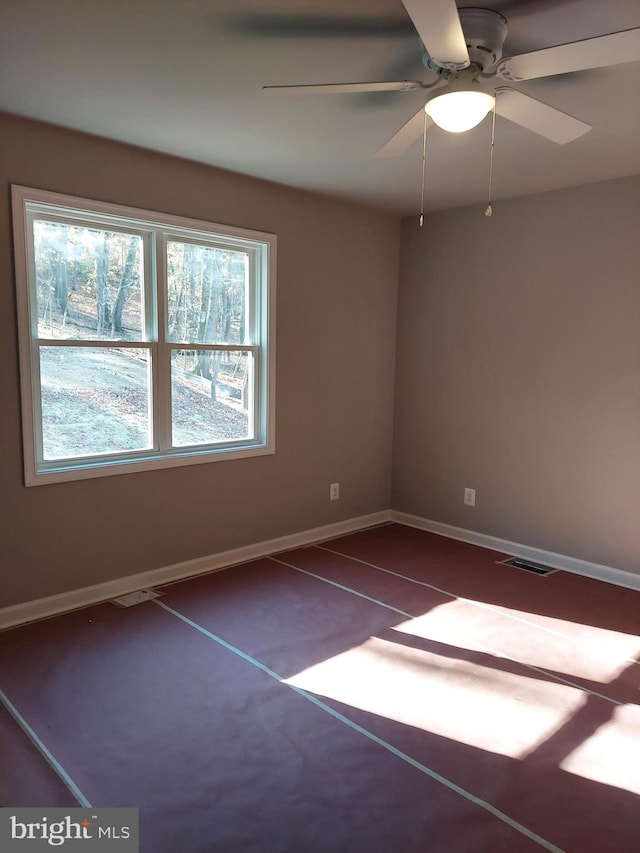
(185, 77)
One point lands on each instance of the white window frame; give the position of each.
(155, 229)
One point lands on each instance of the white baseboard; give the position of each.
(42, 608)
(526, 552)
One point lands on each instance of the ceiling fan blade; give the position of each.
(538, 117)
(344, 88)
(438, 25)
(405, 137)
(612, 49)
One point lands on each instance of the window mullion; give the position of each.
(36, 446)
(162, 360)
(258, 338)
(251, 297)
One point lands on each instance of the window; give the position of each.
(146, 340)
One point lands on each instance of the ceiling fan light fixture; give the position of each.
(459, 111)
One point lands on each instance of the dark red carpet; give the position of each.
(387, 691)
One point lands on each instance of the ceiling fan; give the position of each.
(464, 49)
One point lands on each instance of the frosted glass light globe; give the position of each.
(459, 111)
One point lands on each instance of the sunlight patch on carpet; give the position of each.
(487, 708)
(567, 648)
(612, 754)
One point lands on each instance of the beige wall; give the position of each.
(518, 371)
(337, 287)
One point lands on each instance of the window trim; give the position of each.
(262, 247)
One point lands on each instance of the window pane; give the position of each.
(94, 400)
(207, 298)
(211, 396)
(88, 282)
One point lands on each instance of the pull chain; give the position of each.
(424, 161)
(489, 210)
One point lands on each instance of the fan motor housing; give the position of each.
(485, 32)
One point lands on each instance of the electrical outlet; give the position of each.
(334, 491)
(470, 497)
